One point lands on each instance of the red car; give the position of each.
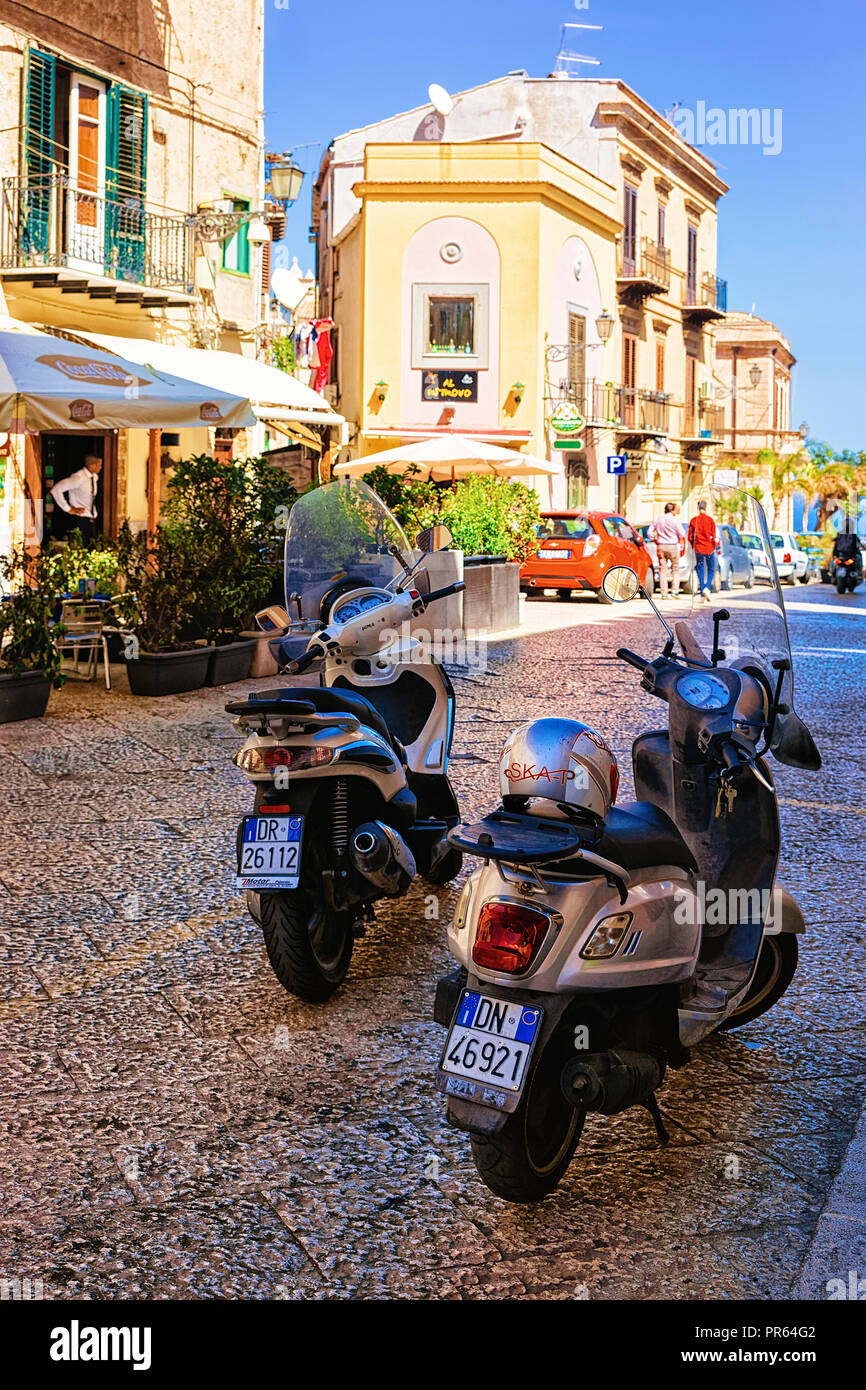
(576, 550)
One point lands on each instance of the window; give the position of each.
(236, 251)
(660, 232)
(573, 528)
(691, 392)
(450, 325)
(629, 377)
(629, 236)
(577, 490)
(692, 266)
(623, 530)
(660, 365)
(576, 349)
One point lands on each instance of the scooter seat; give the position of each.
(639, 835)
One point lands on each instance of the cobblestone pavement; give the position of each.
(174, 1125)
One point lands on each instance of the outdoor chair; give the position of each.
(84, 621)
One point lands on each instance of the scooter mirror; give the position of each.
(620, 584)
(433, 538)
(273, 618)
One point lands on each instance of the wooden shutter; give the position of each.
(39, 157)
(660, 364)
(629, 242)
(576, 350)
(266, 264)
(125, 183)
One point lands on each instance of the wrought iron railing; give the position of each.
(49, 222)
(703, 420)
(651, 263)
(612, 406)
(710, 293)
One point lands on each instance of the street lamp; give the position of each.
(604, 325)
(755, 374)
(284, 178)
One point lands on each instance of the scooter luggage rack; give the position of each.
(524, 842)
(270, 712)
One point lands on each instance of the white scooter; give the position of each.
(352, 790)
(597, 944)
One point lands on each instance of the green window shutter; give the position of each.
(125, 184)
(35, 206)
(236, 251)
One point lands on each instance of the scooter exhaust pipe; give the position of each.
(611, 1081)
(383, 857)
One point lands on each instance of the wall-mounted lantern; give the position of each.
(605, 325)
(755, 374)
(517, 391)
(381, 390)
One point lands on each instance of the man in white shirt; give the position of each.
(76, 495)
(667, 532)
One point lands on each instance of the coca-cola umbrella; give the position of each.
(47, 383)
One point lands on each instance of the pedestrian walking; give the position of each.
(704, 540)
(668, 532)
(76, 495)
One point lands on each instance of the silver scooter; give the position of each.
(351, 775)
(593, 954)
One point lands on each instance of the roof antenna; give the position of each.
(567, 61)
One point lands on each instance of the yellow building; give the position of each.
(549, 243)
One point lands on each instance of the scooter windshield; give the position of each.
(335, 534)
(744, 581)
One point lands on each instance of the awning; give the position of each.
(274, 395)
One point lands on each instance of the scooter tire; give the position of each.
(525, 1161)
(308, 946)
(841, 586)
(445, 869)
(777, 965)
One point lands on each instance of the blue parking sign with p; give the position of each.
(616, 463)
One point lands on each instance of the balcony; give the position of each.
(704, 425)
(54, 236)
(707, 300)
(645, 272)
(627, 410)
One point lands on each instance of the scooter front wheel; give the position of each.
(309, 946)
(526, 1159)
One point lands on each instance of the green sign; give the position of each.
(568, 443)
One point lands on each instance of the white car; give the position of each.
(761, 568)
(787, 551)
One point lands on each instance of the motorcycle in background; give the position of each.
(351, 775)
(597, 944)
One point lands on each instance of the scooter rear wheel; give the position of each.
(526, 1159)
(309, 947)
(776, 967)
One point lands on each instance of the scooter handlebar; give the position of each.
(638, 662)
(443, 593)
(294, 668)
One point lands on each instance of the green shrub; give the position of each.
(486, 516)
(27, 642)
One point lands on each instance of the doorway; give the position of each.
(63, 454)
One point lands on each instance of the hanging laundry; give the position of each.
(324, 351)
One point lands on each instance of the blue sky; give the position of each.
(792, 228)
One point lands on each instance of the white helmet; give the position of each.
(560, 760)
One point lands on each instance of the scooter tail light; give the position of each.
(786, 558)
(590, 545)
(508, 937)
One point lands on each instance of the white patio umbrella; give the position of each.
(448, 456)
(47, 383)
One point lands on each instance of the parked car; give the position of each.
(761, 567)
(577, 548)
(686, 558)
(788, 552)
(733, 563)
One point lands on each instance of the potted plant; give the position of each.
(90, 569)
(157, 608)
(29, 655)
(231, 510)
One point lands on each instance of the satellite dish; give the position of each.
(440, 99)
(287, 288)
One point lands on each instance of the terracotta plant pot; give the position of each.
(168, 673)
(23, 697)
